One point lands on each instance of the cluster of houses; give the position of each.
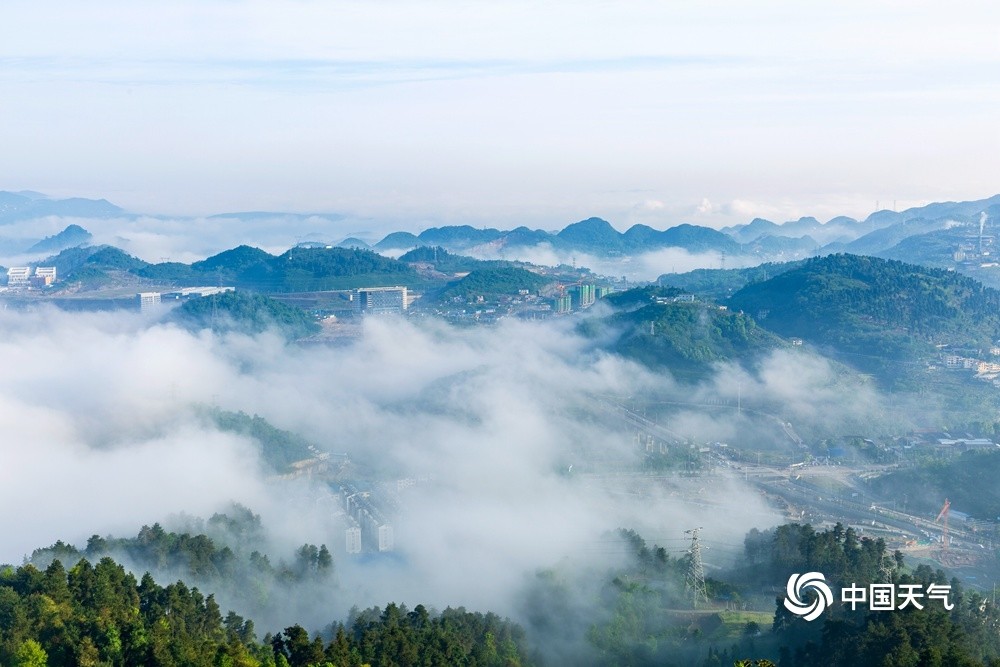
(988, 371)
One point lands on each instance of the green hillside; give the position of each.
(592, 235)
(686, 338)
(278, 448)
(722, 283)
(93, 264)
(879, 312)
(447, 262)
(244, 313)
(638, 297)
(297, 270)
(496, 282)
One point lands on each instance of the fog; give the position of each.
(103, 434)
(158, 239)
(504, 433)
(640, 267)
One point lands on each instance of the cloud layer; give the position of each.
(101, 435)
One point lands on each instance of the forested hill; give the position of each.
(719, 284)
(86, 614)
(244, 313)
(496, 281)
(298, 269)
(685, 337)
(278, 448)
(447, 262)
(875, 308)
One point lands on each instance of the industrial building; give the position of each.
(380, 300)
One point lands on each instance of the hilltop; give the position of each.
(491, 282)
(297, 270)
(723, 283)
(17, 206)
(958, 235)
(663, 328)
(244, 313)
(594, 236)
(878, 312)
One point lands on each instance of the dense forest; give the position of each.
(720, 284)
(241, 312)
(297, 270)
(686, 338)
(278, 448)
(447, 262)
(639, 612)
(881, 314)
(637, 297)
(492, 282)
(100, 614)
(964, 635)
(229, 554)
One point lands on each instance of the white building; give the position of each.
(353, 538)
(19, 276)
(194, 292)
(47, 271)
(385, 537)
(44, 275)
(148, 300)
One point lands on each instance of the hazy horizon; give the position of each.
(502, 115)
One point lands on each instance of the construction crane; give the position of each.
(943, 514)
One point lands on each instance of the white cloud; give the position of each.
(706, 207)
(100, 437)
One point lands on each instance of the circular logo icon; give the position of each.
(799, 583)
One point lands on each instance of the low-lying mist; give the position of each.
(644, 266)
(160, 239)
(156, 239)
(512, 460)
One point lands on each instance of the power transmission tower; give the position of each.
(695, 583)
(886, 567)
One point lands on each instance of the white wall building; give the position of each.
(48, 273)
(19, 276)
(385, 537)
(148, 300)
(353, 539)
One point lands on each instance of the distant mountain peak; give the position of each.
(74, 235)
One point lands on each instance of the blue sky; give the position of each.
(420, 113)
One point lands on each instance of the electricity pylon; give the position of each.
(695, 583)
